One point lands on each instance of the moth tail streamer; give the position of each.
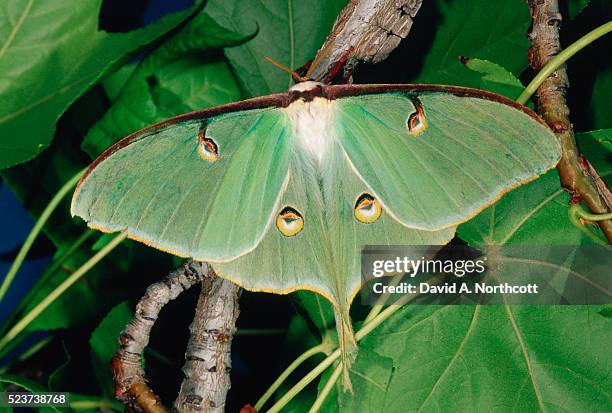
(348, 346)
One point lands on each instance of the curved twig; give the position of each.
(578, 178)
(130, 384)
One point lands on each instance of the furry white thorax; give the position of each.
(313, 124)
(307, 85)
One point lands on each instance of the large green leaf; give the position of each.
(603, 137)
(535, 214)
(288, 31)
(484, 29)
(196, 81)
(487, 358)
(52, 52)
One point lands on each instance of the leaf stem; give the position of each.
(305, 381)
(374, 311)
(575, 212)
(40, 222)
(554, 63)
(42, 280)
(320, 368)
(590, 217)
(59, 290)
(316, 406)
(320, 348)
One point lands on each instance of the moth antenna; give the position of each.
(296, 78)
(318, 59)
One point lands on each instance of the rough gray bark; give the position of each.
(577, 176)
(208, 357)
(130, 384)
(364, 31)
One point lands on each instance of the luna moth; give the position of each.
(280, 192)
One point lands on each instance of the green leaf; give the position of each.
(489, 358)
(534, 214)
(170, 81)
(114, 82)
(288, 31)
(603, 136)
(494, 78)
(318, 312)
(484, 29)
(200, 34)
(575, 7)
(104, 344)
(197, 81)
(52, 52)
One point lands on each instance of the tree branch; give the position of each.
(364, 31)
(208, 360)
(579, 180)
(130, 384)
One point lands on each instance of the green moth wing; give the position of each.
(201, 187)
(436, 159)
(282, 192)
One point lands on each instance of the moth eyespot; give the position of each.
(207, 148)
(416, 122)
(367, 209)
(289, 222)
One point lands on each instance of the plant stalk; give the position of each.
(316, 406)
(40, 222)
(557, 61)
(59, 290)
(320, 348)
